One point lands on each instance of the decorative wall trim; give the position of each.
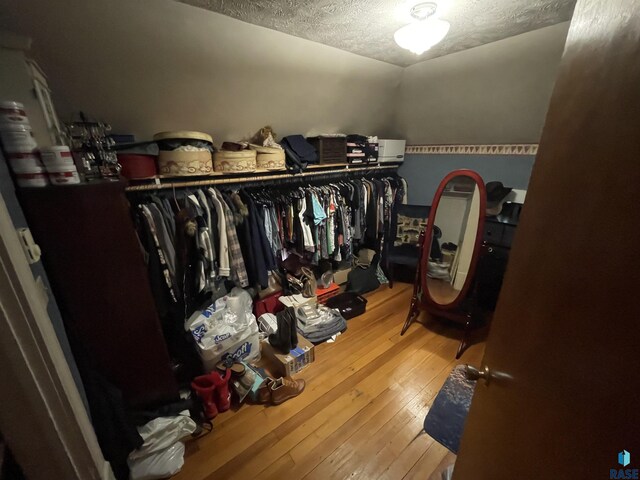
(506, 149)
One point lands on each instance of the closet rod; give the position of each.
(260, 178)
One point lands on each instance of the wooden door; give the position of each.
(98, 276)
(566, 332)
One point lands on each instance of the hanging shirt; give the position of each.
(309, 244)
(237, 267)
(224, 269)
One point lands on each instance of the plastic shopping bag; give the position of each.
(162, 432)
(160, 464)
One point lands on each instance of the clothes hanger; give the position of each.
(175, 199)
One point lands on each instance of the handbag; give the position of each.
(364, 279)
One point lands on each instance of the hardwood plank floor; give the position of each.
(360, 415)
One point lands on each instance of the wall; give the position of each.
(152, 65)
(495, 93)
(425, 171)
(17, 85)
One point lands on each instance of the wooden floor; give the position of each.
(361, 414)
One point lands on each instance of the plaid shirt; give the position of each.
(238, 269)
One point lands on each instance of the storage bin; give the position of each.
(184, 163)
(56, 156)
(22, 161)
(330, 149)
(13, 113)
(349, 304)
(136, 166)
(184, 153)
(63, 175)
(17, 138)
(235, 162)
(31, 177)
(361, 149)
(269, 158)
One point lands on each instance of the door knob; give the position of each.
(474, 373)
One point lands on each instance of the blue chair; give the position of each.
(402, 246)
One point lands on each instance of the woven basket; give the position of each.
(330, 149)
(185, 164)
(269, 158)
(235, 162)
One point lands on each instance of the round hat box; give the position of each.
(243, 161)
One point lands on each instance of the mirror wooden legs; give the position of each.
(465, 337)
(468, 319)
(414, 311)
(414, 308)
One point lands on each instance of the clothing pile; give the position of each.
(319, 324)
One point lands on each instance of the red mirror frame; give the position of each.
(421, 298)
(426, 297)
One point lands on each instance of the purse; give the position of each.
(310, 285)
(363, 280)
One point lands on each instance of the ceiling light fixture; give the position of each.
(425, 32)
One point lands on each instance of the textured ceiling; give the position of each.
(366, 27)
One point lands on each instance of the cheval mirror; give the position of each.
(449, 250)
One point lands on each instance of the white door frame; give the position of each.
(42, 416)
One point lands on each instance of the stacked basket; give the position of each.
(269, 158)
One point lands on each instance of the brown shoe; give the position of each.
(264, 392)
(285, 388)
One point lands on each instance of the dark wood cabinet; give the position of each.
(96, 267)
(494, 254)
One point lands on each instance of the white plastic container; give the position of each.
(23, 161)
(63, 175)
(56, 156)
(13, 113)
(31, 177)
(17, 138)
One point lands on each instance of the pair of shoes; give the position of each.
(285, 338)
(279, 390)
(213, 391)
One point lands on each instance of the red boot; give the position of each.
(205, 386)
(223, 395)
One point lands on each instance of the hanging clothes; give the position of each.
(197, 239)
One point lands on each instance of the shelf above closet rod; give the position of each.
(159, 184)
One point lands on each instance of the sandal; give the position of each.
(237, 368)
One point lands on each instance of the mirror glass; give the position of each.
(455, 226)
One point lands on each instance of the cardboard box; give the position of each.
(286, 365)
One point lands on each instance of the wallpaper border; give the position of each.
(505, 149)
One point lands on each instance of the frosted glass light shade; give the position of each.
(420, 36)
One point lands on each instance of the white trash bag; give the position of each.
(162, 432)
(157, 465)
(162, 453)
